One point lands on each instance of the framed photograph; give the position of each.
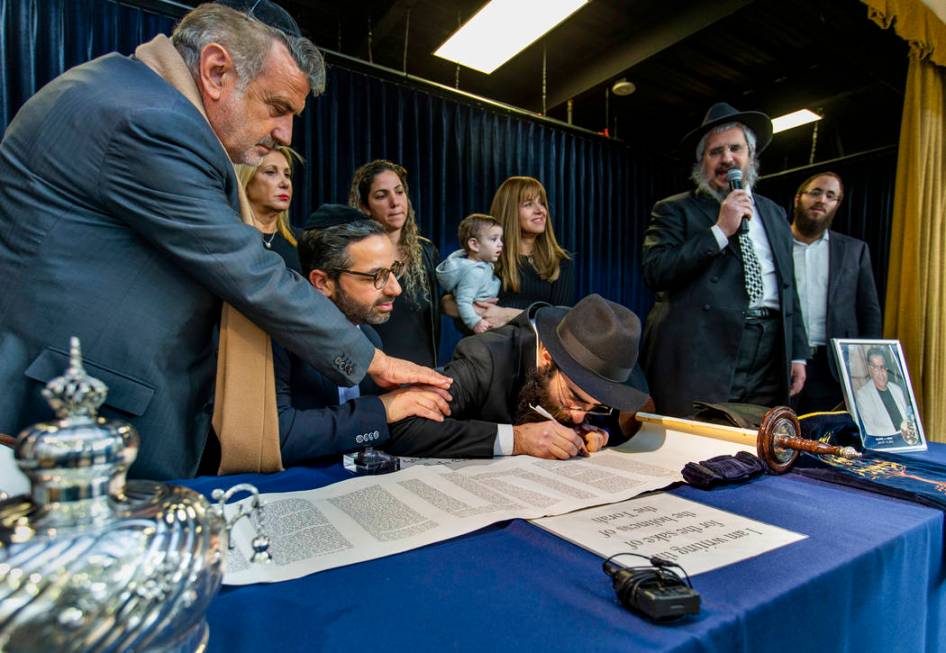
(878, 394)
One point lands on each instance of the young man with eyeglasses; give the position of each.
(835, 287)
(350, 260)
(553, 361)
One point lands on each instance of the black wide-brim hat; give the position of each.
(595, 344)
(722, 113)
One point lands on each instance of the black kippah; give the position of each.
(266, 12)
(331, 215)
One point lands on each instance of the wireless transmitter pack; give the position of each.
(656, 592)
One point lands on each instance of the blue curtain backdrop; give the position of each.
(457, 151)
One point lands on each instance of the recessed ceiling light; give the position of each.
(793, 119)
(502, 29)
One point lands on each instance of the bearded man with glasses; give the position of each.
(349, 259)
(835, 287)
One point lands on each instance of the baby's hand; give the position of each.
(481, 327)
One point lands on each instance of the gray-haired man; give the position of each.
(120, 221)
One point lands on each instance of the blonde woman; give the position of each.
(379, 190)
(268, 187)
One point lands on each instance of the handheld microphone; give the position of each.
(734, 177)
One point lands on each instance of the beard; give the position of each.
(536, 390)
(704, 182)
(358, 313)
(810, 226)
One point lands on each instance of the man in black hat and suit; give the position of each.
(550, 361)
(726, 326)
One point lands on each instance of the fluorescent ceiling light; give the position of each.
(793, 119)
(502, 29)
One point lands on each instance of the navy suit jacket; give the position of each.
(312, 424)
(693, 332)
(119, 224)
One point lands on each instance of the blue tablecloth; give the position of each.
(870, 577)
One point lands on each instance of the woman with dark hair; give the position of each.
(268, 187)
(379, 190)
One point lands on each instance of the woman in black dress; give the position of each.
(268, 187)
(379, 189)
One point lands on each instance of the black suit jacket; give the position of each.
(853, 309)
(693, 332)
(487, 371)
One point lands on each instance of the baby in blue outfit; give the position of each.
(468, 272)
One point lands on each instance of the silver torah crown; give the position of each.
(90, 562)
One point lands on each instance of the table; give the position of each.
(870, 577)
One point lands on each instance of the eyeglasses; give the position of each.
(877, 367)
(817, 194)
(378, 277)
(588, 409)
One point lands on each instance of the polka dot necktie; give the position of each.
(751, 271)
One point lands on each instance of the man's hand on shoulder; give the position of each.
(547, 440)
(416, 401)
(390, 372)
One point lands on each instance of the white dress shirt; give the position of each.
(811, 280)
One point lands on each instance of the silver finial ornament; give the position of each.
(90, 562)
(75, 393)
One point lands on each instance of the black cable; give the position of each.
(656, 591)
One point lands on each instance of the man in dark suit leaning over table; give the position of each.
(726, 323)
(120, 223)
(349, 259)
(835, 286)
(570, 362)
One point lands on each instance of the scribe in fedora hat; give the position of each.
(721, 114)
(595, 345)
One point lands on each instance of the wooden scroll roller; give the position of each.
(779, 445)
(777, 441)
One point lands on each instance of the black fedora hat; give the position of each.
(332, 215)
(721, 114)
(595, 344)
